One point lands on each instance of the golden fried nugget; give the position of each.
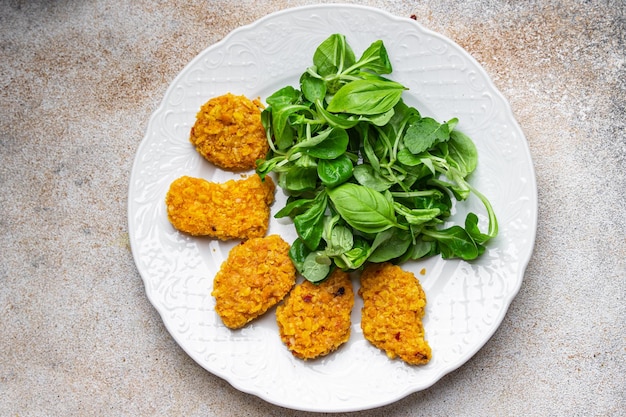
(228, 132)
(257, 274)
(391, 318)
(314, 319)
(236, 209)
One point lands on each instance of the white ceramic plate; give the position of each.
(466, 301)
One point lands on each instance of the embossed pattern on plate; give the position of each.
(466, 301)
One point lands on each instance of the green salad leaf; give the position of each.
(368, 178)
(363, 208)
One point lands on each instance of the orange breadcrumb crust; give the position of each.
(228, 132)
(314, 320)
(236, 209)
(256, 276)
(391, 318)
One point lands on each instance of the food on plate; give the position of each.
(350, 152)
(370, 184)
(228, 132)
(236, 209)
(256, 276)
(393, 307)
(314, 320)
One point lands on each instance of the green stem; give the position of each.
(425, 193)
(492, 230)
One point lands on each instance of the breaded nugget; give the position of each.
(393, 306)
(314, 319)
(228, 132)
(257, 274)
(236, 209)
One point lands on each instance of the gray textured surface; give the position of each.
(78, 82)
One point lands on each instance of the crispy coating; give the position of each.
(228, 132)
(393, 306)
(236, 209)
(256, 276)
(314, 319)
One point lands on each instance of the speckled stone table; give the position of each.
(78, 83)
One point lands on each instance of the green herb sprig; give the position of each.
(368, 178)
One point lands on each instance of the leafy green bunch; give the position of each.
(368, 178)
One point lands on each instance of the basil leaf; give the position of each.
(394, 246)
(284, 96)
(264, 167)
(380, 119)
(454, 242)
(266, 121)
(312, 141)
(375, 59)
(355, 257)
(299, 179)
(294, 207)
(363, 208)
(368, 149)
(283, 104)
(452, 124)
(417, 216)
(336, 171)
(407, 158)
(462, 153)
(336, 120)
(333, 55)
(313, 88)
(283, 132)
(298, 253)
(403, 116)
(302, 176)
(419, 249)
(339, 238)
(313, 270)
(419, 165)
(335, 145)
(424, 133)
(366, 97)
(367, 176)
(310, 224)
(471, 226)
